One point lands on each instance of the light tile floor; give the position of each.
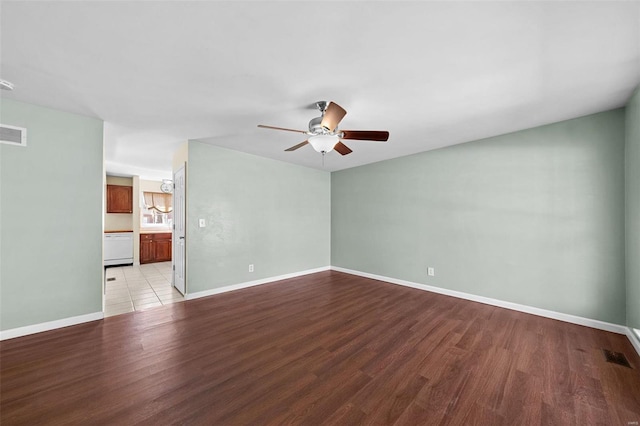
(137, 288)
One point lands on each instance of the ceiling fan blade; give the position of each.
(342, 148)
(281, 128)
(366, 135)
(300, 145)
(332, 116)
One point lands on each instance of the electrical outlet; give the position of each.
(431, 272)
(202, 223)
(251, 267)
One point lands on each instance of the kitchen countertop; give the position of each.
(150, 231)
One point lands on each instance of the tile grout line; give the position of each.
(154, 290)
(137, 274)
(126, 283)
(155, 268)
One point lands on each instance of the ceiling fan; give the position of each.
(323, 132)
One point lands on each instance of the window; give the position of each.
(156, 210)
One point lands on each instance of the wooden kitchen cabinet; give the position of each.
(163, 247)
(147, 253)
(155, 247)
(119, 199)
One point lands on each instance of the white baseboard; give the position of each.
(50, 325)
(634, 339)
(601, 325)
(199, 294)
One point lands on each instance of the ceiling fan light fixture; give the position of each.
(324, 143)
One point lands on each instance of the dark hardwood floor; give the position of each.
(327, 348)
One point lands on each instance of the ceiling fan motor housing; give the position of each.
(315, 126)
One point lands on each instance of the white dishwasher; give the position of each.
(118, 248)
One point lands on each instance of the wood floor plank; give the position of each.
(326, 348)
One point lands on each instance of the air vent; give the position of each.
(616, 358)
(13, 135)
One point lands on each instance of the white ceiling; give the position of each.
(432, 73)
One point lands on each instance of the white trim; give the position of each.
(588, 322)
(634, 339)
(601, 325)
(199, 294)
(50, 325)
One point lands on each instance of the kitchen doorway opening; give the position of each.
(138, 288)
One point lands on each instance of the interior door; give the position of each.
(179, 221)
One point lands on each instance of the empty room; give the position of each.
(305, 212)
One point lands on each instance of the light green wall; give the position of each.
(534, 217)
(51, 223)
(257, 210)
(632, 190)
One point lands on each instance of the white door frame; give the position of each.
(179, 230)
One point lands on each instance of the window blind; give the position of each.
(158, 201)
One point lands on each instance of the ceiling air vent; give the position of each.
(13, 135)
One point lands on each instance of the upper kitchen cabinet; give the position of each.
(119, 199)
